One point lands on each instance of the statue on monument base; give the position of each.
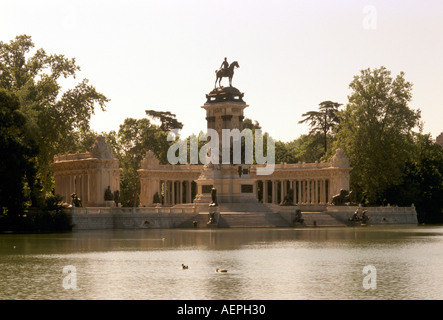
(109, 196)
(344, 198)
(213, 206)
(76, 201)
(289, 199)
(298, 217)
(226, 70)
(116, 197)
(213, 198)
(156, 199)
(356, 218)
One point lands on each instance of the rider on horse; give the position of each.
(224, 65)
(226, 70)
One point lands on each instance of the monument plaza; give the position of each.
(242, 187)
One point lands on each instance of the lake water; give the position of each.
(275, 264)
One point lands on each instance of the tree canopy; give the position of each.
(134, 138)
(17, 156)
(168, 120)
(55, 117)
(375, 131)
(324, 121)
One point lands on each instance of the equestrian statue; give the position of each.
(226, 70)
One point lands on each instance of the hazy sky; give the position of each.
(293, 54)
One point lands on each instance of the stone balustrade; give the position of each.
(133, 210)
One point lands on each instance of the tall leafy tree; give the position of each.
(134, 138)
(17, 156)
(422, 183)
(323, 121)
(168, 120)
(376, 131)
(55, 117)
(306, 148)
(250, 124)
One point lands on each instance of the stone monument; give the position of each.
(213, 208)
(224, 110)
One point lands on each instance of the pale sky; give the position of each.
(293, 54)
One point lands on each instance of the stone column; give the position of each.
(282, 189)
(327, 190)
(173, 192)
(71, 188)
(177, 192)
(316, 191)
(85, 187)
(299, 182)
(189, 191)
(265, 191)
(167, 192)
(324, 200)
(274, 191)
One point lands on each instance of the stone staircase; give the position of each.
(244, 215)
(252, 220)
(258, 215)
(320, 219)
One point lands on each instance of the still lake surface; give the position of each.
(274, 264)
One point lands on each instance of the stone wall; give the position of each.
(100, 218)
(377, 215)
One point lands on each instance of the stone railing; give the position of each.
(72, 156)
(138, 210)
(176, 167)
(389, 209)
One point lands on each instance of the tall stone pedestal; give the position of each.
(231, 186)
(224, 110)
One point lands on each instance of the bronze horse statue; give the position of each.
(228, 72)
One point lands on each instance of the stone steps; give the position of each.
(238, 220)
(258, 215)
(320, 219)
(251, 220)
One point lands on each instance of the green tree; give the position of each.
(55, 118)
(250, 124)
(168, 120)
(134, 138)
(375, 131)
(17, 156)
(422, 182)
(306, 148)
(322, 122)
